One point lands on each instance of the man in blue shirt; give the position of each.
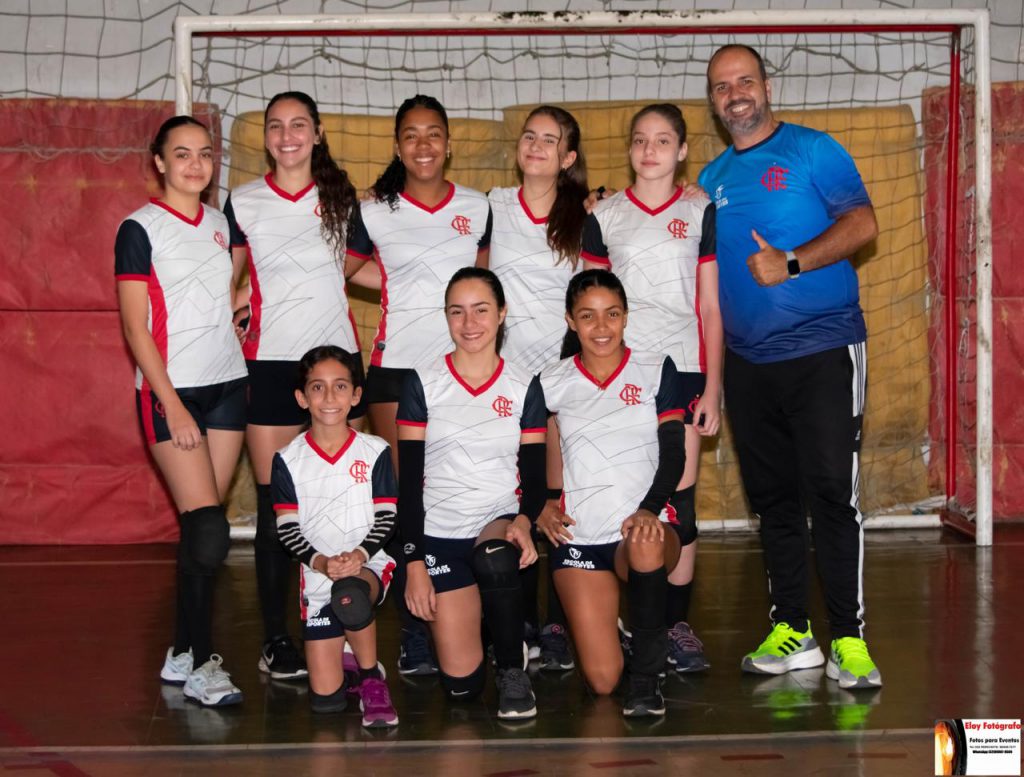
(790, 211)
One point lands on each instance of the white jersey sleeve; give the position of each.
(472, 442)
(298, 285)
(656, 253)
(609, 438)
(533, 278)
(418, 249)
(187, 267)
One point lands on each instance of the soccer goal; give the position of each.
(907, 92)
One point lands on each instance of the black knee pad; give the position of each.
(327, 703)
(205, 540)
(350, 600)
(496, 565)
(464, 688)
(266, 522)
(684, 504)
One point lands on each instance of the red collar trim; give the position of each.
(269, 178)
(326, 456)
(632, 198)
(528, 212)
(191, 222)
(447, 198)
(474, 391)
(622, 364)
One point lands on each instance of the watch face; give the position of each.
(793, 267)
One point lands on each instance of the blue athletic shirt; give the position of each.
(790, 187)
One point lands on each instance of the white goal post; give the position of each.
(708, 23)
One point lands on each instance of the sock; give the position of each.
(645, 592)
(677, 603)
(274, 567)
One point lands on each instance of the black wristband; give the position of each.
(555, 493)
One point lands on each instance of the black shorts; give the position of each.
(272, 402)
(595, 558)
(691, 388)
(449, 562)
(325, 624)
(383, 384)
(220, 406)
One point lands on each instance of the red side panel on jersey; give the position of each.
(71, 170)
(1007, 291)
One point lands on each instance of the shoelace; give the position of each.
(284, 650)
(778, 635)
(643, 685)
(685, 640)
(515, 683)
(374, 693)
(850, 648)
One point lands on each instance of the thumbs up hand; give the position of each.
(768, 265)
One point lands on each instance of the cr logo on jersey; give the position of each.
(502, 406)
(219, 239)
(677, 228)
(358, 471)
(774, 178)
(318, 211)
(630, 394)
(461, 225)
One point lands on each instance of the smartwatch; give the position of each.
(792, 265)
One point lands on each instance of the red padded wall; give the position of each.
(73, 464)
(1007, 288)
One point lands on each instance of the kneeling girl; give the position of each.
(334, 493)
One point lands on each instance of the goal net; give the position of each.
(897, 89)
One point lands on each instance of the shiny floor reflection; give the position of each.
(86, 629)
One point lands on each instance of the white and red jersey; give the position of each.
(609, 437)
(298, 283)
(533, 278)
(334, 500)
(656, 254)
(418, 249)
(187, 266)
(471, 450)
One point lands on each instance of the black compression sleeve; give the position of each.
(533, 478)
(410, 498)
(671, 460)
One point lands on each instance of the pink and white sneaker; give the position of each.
(375, 702)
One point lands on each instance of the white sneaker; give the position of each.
(176, 668)
(211, 686)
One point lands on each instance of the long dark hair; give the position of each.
(578, 285)
(337, 194)
(488, 277)
(565, 220)
(391, 182)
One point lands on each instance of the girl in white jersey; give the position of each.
(334, 491)
(536, 241)
(619, 421)
(174, 290)
(289, 227)
(470, 425)
(660, 241)
(418, 229)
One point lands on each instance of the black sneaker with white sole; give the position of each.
(515, 695)
(282, 660)
(643, 697)
(554, 649)
(414, 654)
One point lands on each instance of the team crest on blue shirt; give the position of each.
(774, 178)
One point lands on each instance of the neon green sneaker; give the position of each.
(784, 650)
(851, 664)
